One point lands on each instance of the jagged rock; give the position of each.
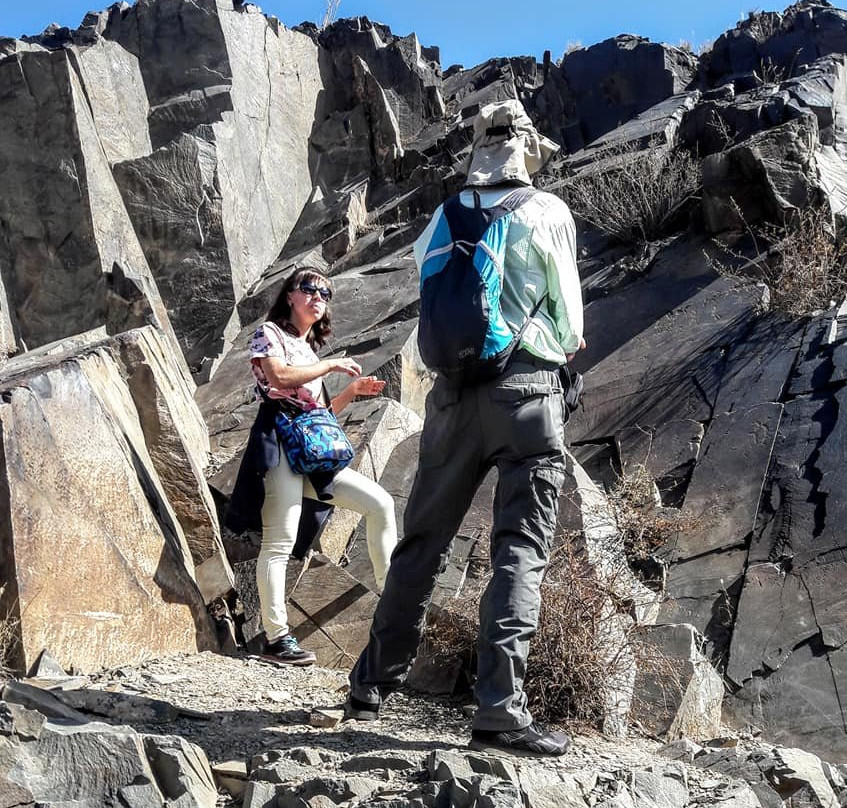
(231, 776)
(71, 429)
(768, 177)
(92, 764)
(658, 789)
(797, 771)
(677, 692)
(182, 772)
(595, 89)
(226, 105)
(67, 240)
(773, 44)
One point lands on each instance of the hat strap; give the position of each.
(496, 131)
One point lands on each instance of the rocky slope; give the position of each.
(167, 164)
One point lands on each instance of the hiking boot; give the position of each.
(287, 651)
(358, 710)
(529, 741)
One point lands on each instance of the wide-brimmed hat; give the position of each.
(507, 148)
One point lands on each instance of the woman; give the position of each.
(285, 366)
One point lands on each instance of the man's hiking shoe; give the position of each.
(287, 651)
(529, 741)
(357, 710)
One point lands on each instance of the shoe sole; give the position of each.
(360, 715)
(490, 749)
(284, 663)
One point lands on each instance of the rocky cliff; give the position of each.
(166, 165)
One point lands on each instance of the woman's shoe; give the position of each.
(287, 651)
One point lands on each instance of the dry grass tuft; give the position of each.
(8, 640)
(636, 194)
(804, 263)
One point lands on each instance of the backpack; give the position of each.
(462, 334)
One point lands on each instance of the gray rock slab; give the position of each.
(758, 367)
(655, 790)
(671, 369)
(801, 704)
(677, 691)
(68, 239)
(725, 488)
(775, 615)
(339, 606)
(704, 592)
(87, 765)
(140, 598)
(668, 452)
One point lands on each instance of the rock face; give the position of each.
(95, 557)
(173, 161)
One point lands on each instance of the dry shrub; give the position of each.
(804, 263)
(8, 639)
(808, 271)
(645, 527)
(634, 196)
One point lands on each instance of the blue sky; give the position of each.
(468, 31)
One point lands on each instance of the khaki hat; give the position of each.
(506, 146)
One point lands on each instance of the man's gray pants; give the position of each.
(515, 423)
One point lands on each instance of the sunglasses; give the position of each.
(310, 289)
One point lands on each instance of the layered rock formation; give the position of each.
(166, 183)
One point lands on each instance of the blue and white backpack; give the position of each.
(462, 334)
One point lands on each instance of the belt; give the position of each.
(522, 355)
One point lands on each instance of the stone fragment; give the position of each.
(657, 790)
(119, 706)
(182, 772)
(797, 771)
(677, 692)
(326, 719)
(683, 749)
(231, 776)
(385, 761)
(260, 794)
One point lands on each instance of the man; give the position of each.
(514, 422)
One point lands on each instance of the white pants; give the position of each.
(284, 492)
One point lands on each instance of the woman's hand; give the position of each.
(344, 365)
(367, 386)
(363, 386)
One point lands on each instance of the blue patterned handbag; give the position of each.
(313, 441)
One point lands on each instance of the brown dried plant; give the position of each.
(803, 263)
(635, 193)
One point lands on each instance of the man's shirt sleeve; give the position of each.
(564, 290)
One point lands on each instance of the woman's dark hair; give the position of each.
(280, 312)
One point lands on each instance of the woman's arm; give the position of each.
(287, 377)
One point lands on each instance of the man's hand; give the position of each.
(570, 356)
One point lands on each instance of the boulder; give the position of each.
(677, 692)
(94, 510)
(768, 176)
(596, 89)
